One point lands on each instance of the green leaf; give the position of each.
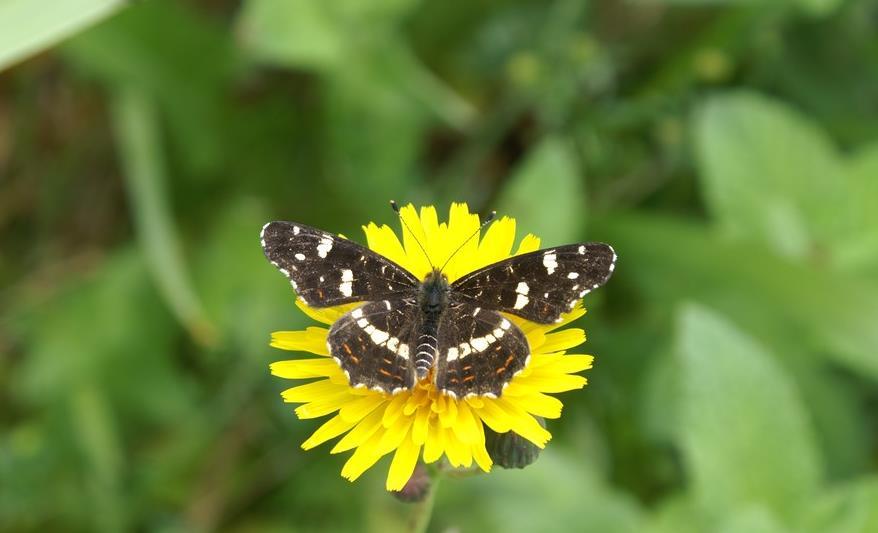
(750, 519)
(745, 434)
(293, 32)
(546, 193)
(109, 330)
(816, 8)
(565, 488)
(860, 252)
(847, 508)
(679, 513)
(27, 27)
(769, 174)
(177, 57)
(377, 166)
(835, 314)
(317, 35)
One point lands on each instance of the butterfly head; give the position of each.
(433, 293)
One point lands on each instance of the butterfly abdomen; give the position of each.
(432, 299)
(427, 346)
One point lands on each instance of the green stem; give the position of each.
(419, 520)
(138, 133)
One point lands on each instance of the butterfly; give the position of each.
(408, 329)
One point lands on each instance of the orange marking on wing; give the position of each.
(384, 372)
(468, 378)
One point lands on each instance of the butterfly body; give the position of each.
(432, 300)
(451, 332)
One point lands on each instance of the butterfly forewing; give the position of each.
(373, 344)
(479, 351)
(538, 286)
(327, 270)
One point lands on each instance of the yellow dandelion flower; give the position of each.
(424, 422)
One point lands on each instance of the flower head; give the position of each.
(423, 422)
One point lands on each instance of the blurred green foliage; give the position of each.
(728, 149)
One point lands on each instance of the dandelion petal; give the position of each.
(403, 464)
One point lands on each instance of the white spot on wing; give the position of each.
(573, 275)
(521, 301)
(505, 324)
(452, 354)
(357, 313)
(346, 287)
(403, 351)
(522, 288)
(465, 349)
(324, 247)
(296, 230)
(300, 257)
(550, 261)
(582, 250)
(379, 337)
(480, 344)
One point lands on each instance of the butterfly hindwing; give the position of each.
(538, 286)
(479, 351)
(327, 270)
(373, 344)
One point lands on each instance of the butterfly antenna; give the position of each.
(421, 246)
(488, 220)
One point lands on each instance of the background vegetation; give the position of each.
(729, 150)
